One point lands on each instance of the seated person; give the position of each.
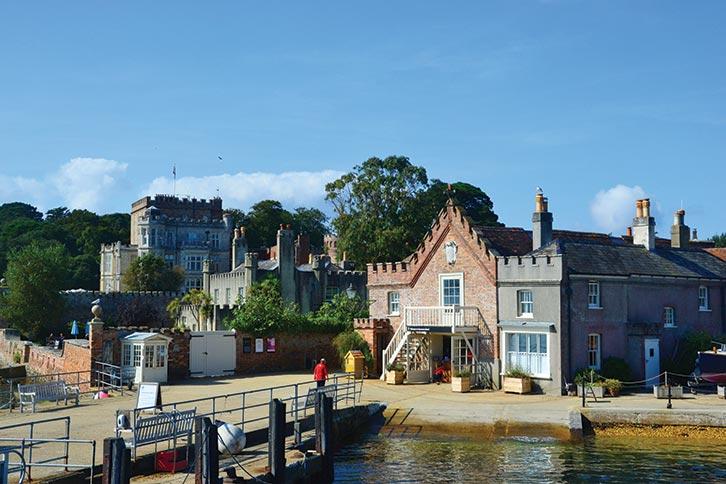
(439, 373)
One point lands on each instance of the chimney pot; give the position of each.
(630, 231)
(646, 207)
(639, 208)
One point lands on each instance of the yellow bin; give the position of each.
(355, 362)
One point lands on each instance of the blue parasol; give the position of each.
(74, 328)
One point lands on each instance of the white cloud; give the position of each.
(242, 190)
(81, 183)
(613, 209)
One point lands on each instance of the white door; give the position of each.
(212, 353)
(652, 361)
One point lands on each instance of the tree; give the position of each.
(338, 315)
(16, 210)
(264, 219)
(720, 240)
(150, 272)
(264, 312)
(35, 276)
(197, 301)
(473, 200)
(378, 217)
(313, 222)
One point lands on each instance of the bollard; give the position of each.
(116, 461)
(324, 435)
(206, 465)
(276, 441)
(669, 398)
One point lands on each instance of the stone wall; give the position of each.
(293, 352)
(121, 307)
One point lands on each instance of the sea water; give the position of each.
(608, 459)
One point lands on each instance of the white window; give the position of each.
(452, 289)
(228, 296)
(593, 294)
(126, 355)
(137, 355)
(144, 239)
(216, 297)
(526, 303)
(593, 351)
(393, 303)
(160, 356)
(669, 316)
(152, 237)
(107, 258)
(528, 351)
(703, 298)
(149, 356)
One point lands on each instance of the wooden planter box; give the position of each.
(662, 391)
(461, 384)
(418, 376)
(517, 385)
(394, 377)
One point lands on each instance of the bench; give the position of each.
(328, 390)
(56, 391)
(163, 427)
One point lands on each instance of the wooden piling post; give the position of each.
(116, 461)
(324, 435)
(206, 465)
(276, 441)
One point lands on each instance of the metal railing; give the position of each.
(443, 316)
(35, 451)
(247, 408)
(111, 376)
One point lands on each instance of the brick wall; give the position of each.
(292, 353)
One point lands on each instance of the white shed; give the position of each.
(146, 356)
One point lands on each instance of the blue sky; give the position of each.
(599, 103)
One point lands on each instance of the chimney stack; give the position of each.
(680, 232)
(541, 223)
(643, 225)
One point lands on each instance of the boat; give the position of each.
(711, 365)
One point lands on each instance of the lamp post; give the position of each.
(350, 291)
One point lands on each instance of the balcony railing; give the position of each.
(443, 316)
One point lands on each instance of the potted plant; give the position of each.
(517, 380)
(394, 373)
(598, 388)
(461, 381)
(613, 385)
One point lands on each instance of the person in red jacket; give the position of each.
(320, 374)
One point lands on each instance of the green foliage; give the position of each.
(614, 367)
(264, 313)
(81, 232)
(395, 367)
(612, 384)
(461, 374)
(312, 222)
(338, 315)
(683, 360)
(385, 207)
(352, 340)
(35, 276)
(587, 376)
(720, 240)
(517, 372)
(196, 300)
(473, 200)
(150, 272)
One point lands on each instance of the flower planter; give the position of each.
(661, 391)
(517, 385)
(418, 376)
(460, 384)
(394, 377)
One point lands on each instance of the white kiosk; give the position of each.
(146, 356)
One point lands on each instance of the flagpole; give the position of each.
(174, 172)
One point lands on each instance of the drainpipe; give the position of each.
(568, 293)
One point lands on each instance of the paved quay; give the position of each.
(411, 410)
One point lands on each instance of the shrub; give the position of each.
(586, 376)
(517, 372)
(614, 367)
(612, 384)
(352, 340)
(395, 367)
(461, 373)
